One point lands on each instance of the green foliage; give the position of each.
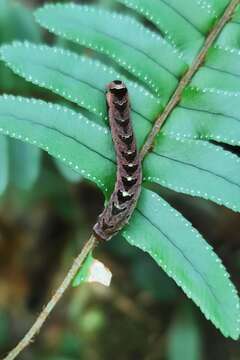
(95, 28)
(182, 158)
(3, 162)
(24, 164)
(68, 173)
(83, 85)
(4, 328)
(185, 27)
(50, 126)
(184, 255)
(20, 163)
(184, 338)
(203, 169)
(147, 276)
(82, 275)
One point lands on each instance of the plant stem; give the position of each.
(176, 97)
(28, 338)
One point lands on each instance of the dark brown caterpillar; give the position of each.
(129, 172)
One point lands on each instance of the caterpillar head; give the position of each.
(117, 88)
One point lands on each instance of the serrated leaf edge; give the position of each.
(122, 62)
(198, 193)
(179, 282)
(69, 54)
(45, 147)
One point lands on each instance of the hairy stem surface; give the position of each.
(28, 338)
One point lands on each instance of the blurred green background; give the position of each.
(143, 315)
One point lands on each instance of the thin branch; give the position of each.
(28, 338)
(188, 76)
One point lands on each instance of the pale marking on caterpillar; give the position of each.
(129, 170)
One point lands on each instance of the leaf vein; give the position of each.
(197, 167)
(133, 47)
(58, 131)
(207, 112)
(182, 253)
(64, 73)
(184, 17)
(221, 70)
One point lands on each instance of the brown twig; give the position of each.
(188, 76)
(28, 338)
(145, 149)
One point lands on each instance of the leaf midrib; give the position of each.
(75, 78)
(53, 128)
(184, 17)
(182, 253)
(115, 38)
(208, 112)
(221, 70)
(88, 84)
(197, 167)
(187, 77)
(204, 278)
